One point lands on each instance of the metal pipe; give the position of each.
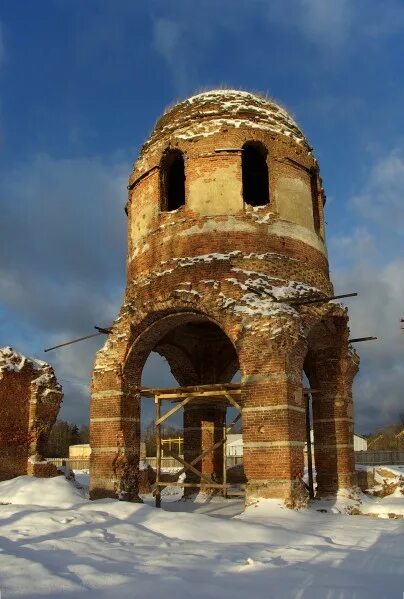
(101, 331)
(301, 302)
(73, 341)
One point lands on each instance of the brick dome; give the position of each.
(209, 112)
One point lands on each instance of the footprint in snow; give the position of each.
(66, 520)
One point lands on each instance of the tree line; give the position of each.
(64, 434)
(387, 437)
(149, 437)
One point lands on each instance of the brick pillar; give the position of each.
(333, 428)
(114, 436)
(273, 422)
(203, 427)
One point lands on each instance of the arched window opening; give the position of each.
(255, 174)
(172, 181)
(315, 201)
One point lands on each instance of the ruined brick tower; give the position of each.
(226, 232)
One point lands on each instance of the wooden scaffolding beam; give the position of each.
(183, 396)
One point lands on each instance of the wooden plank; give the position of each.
(224, 476)
(173, 410)
(213, 447)
(188, 466)
(199, 457)
(206, 395)
(198, 391)
(309, 455)
(200, 394)
(151, 392)
(233, 401)
(206, 451)
(158, 453)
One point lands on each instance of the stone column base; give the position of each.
(329, 486)
(292, 492)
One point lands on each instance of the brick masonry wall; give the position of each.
(30, 398)
(14, 446)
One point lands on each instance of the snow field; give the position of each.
(56, 544)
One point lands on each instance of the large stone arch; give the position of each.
(115, 406)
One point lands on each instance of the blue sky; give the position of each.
(81, 85)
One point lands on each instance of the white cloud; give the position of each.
(325, 23)
(166, 37)
(379, 389)
(62, 261)
(382, 198)
(371, 260)
(169, 41)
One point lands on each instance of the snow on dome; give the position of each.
(206, 113)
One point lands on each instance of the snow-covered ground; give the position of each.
(55, 543)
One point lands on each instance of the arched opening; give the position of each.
(183, 350)
(172, 181)
(156, 373)
(315, 201)
(255, 174)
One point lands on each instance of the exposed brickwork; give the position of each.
(42, 469)
(203, 427)
(30, 398)
(208, 287)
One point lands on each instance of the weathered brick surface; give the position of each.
(209, 288)
(30, 398)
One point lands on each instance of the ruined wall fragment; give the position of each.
(30, 398)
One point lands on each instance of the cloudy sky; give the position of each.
(81, 85)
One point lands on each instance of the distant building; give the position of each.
(360, 443)
(80, 452)
(235, 444)
(234, 447)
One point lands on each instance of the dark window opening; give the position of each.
(255, 174)
(173, 181)
(315, 201)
